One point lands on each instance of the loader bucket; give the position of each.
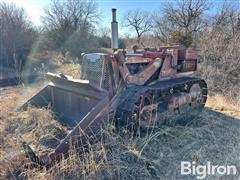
(79, 104)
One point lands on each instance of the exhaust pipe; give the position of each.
(114, 27)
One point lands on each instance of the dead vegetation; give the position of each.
(39, 128)
(158, 154)
(219, 62)
(55, 62)
(229, 107)
(155, 155)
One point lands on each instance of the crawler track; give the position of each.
(160, 93)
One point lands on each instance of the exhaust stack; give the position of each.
(114, 27)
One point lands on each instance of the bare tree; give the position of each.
(104, 37)
(219, 52)
(104, 32)
(16, 37)
(186, 14)
(140, 21)
(181, 20)
(65, 17)
(162, 29)
(227, 20)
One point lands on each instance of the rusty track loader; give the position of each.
(141, 87)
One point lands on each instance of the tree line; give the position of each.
(73, 26)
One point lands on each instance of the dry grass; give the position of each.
(10, 96)
(219, 58)
(38, 127)
(156, 155)
(55, 62)
(219, 103)
(72, 70)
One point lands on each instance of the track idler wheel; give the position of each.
(196, 92)
(142, 116)
(146, 110)
(189, 112)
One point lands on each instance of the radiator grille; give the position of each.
(188, 65)
(91, 68)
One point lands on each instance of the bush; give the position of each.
(80, 42)
(220, 54)
(220, 57)
(16, 37)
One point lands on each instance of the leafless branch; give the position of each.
(138, 20)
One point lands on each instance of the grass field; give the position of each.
(157, 155)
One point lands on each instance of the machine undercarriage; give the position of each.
(160, 103)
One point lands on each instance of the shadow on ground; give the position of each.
(212, 136)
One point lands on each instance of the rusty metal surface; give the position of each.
(141, 77)
(191, 54)
(167, 70)
(78, 104)
(131, 95)
(79, 137)
(70, 100)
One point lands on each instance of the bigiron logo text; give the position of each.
(201, 171)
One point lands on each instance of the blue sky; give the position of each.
(34, 8)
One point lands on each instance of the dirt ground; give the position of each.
(213, 136)
(8, 98)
